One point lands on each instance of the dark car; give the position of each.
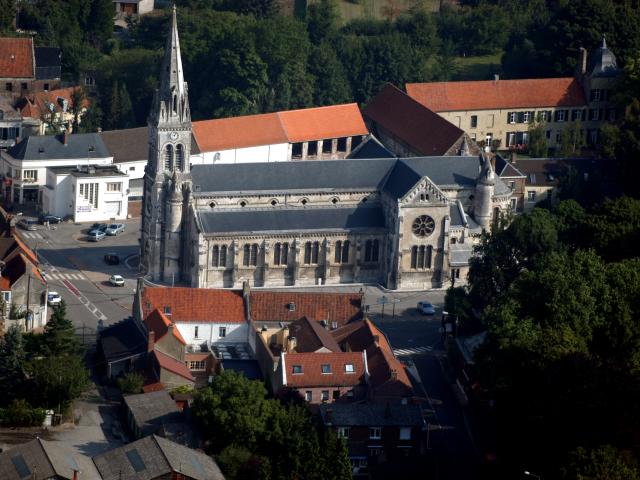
(98, 226)
(50, 218)
(112, 259)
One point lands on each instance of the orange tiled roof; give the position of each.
(268, 306)
(173, 365)
(312, 375)
(280, 127)
(5, 284)
(25, 249)
(16, 58)
(34, 106)
(333, 121)
(158, 323)
(388, 376)
(496, 94)
(195, 304)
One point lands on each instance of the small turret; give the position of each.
(485, 187)
(603, 62)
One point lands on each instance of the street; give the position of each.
(75, 268)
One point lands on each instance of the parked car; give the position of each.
(426, 308)
(28, 223)
(96, 235)
(112, 259)
(50, 218)
(116, 280)
(114, 229)
(54, 298)
(98, 226)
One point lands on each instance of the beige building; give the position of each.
(499, 113)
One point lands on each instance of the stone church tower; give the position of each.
(167, 180)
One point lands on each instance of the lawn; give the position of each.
(477, 68)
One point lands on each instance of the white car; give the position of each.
(114, 229)
(54, 298)
(116, 280)
(426, 308)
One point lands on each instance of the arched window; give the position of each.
(342, 252)
(250, 255)
(311, 252)
(179, 157)
(223, 256)
(421, 257)
(281, 254)
(371, 250)
(254, 255)
(215, 256)
(246, 253)
(168, 157)
(175, 103)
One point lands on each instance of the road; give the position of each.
(76, 270)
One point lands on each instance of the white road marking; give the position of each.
(412, 351)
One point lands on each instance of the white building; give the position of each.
(25, 164)
(86, 193)
(308, 134)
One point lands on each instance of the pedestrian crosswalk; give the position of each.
(411, 351)
(34, 235)
(65, 276)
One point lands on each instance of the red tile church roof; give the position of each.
(195, 304)
(497, 94)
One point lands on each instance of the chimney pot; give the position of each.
(151, 341)
(65, 137)
(75, 475)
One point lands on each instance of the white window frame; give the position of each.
(349, 368)
(527, 117)
(195, 331)
(324, 395)
(561, 116)
(114, 186)
(308, 395)
(375, 433)
(531, 195)
(513, 116)
(222, 332)
(30, 175)
(405, 433)
(343, 432)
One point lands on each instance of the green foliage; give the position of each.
(59, 337)
(131, 383)
(183, 389)
(322, 20)
(602, 463)
(255, 434)
(538, 140)
(20, 414)
(557, 293)
(12, 360)
(571, 140)
(58, 380)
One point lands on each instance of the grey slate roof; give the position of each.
(371, 414)
(395, 177)
(371, 148)
(454, 214)
(79, 146)
(506, 169)
(132, 144)
(154, 457)
(41, 459)
(291, 219)
(121, 340)
(459, 254)
(151, 410)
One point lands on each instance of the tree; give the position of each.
(331, 82)
(602, 463)
(57, 380)
(77, 105)
(12, 363)
(59, 337)
(131, 383)
(322, 21)
(538, 140)
(571, 140)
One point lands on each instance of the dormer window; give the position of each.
(348, 368)
(297, 369)
(167, 310)
(325, 368)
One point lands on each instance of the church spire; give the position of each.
(171, 104)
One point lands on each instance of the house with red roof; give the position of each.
(25, 69)
(498, 113)
(318, 133)
(52, 111)
(23, 287)
(202, 317)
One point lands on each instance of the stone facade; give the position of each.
(385, 221)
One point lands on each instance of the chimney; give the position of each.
(75, 475)
(513, 157)
(583, 61)
(291, 344)
(151, 341)
(65, 138)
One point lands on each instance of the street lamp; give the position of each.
(529, 474)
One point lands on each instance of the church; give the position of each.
(407, 223)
